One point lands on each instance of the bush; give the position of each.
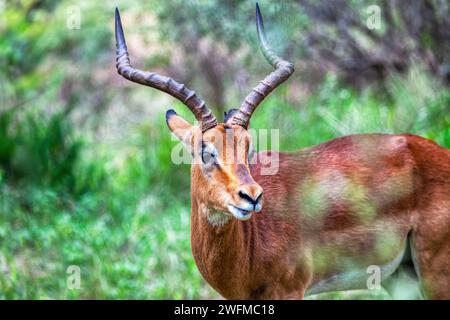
(43, 150)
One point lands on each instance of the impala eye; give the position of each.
(208, 156)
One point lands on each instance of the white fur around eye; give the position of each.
(208, 155)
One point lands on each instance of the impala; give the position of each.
(327, 214)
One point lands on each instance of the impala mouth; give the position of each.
(239, 213)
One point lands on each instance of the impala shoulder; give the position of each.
(365, 146)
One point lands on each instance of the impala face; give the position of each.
(220, 166)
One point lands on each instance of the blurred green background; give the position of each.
(86, 176)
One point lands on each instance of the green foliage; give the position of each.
(37, 149)
(231, 22)
(44, 151)
(415, 104)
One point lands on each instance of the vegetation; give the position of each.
(86, 176)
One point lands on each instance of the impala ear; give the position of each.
(229, 115)
(180, 127)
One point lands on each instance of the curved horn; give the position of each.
(283, 69)
(178, 90)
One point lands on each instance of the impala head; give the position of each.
(221, 177)
(221, 151)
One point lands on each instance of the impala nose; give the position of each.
(254, 198)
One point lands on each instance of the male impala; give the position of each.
(329, 213)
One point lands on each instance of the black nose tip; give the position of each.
(245, 196)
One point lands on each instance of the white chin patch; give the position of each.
(218, 219)
(239, 214)
(215, 218)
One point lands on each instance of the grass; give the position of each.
(122, 216)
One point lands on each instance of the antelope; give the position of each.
(330, 211)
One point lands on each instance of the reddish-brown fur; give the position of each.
(404, 181)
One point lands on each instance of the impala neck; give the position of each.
(241, 259)
(221, 247)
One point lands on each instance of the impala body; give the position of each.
(328, 215)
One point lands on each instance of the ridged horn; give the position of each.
(283, 69)
(152, 79)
